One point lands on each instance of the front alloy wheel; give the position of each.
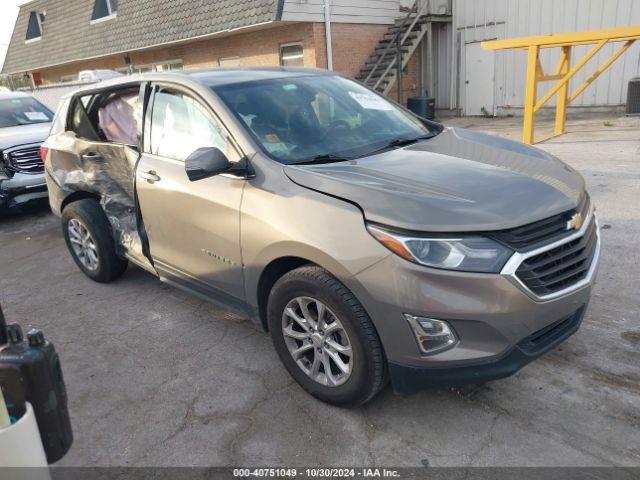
(317, 341)
(325, 338)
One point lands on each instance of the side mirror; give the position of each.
(206, 162)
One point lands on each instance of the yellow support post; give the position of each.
(531, 94)
(563, 93)
(565, 72)
(621, 34)
(570, 74)
(599, 72)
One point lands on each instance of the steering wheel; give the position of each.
(336, 125)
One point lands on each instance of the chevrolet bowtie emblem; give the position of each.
(575, 223)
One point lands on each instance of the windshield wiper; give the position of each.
(325, 158)
(397, 143)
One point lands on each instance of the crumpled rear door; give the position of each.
(106, 170)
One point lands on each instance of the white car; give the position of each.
(24, 125)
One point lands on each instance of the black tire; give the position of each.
(369, 370)
(90, 214)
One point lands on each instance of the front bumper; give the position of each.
(494, 316)
(408, 380)
(22, 189)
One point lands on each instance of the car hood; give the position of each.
(457, 181)
(23, 134)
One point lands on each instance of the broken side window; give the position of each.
(79, 121)
(108, 117)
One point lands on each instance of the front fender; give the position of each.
(292, 250)
(303, 224)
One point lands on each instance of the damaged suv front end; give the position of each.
(24, 125)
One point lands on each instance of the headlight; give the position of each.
(463, 253)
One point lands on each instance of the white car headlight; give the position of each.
(466, 253)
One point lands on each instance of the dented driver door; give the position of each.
(193, 228)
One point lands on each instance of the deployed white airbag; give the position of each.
(117, 119)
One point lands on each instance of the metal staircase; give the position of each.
(380, 70)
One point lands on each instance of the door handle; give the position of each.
(92, 157)
(150, 176)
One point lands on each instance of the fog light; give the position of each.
(432, 335)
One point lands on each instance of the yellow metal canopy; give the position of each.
(564, 72)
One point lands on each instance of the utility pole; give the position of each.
(327, 33)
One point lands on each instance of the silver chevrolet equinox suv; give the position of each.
(370, 243)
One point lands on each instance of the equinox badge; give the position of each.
(217, 257)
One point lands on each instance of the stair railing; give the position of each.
(420, 8)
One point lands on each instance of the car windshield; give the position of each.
(320, 118)
(23, 111)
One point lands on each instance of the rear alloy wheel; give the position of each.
(90, 241)
(83, 244)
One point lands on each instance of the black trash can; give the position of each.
(633, 97)
(424, 107)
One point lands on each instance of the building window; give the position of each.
(166, 66)
(104, 10)
(229, 62)
(291, 55)
(34, 28)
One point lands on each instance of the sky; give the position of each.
(7, 20)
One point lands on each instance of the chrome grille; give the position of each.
(531, 236)
(26, 159)
(560, 267)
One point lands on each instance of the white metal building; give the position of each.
(494, 82)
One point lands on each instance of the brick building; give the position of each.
(53, 40)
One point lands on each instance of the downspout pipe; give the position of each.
(327, 33)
